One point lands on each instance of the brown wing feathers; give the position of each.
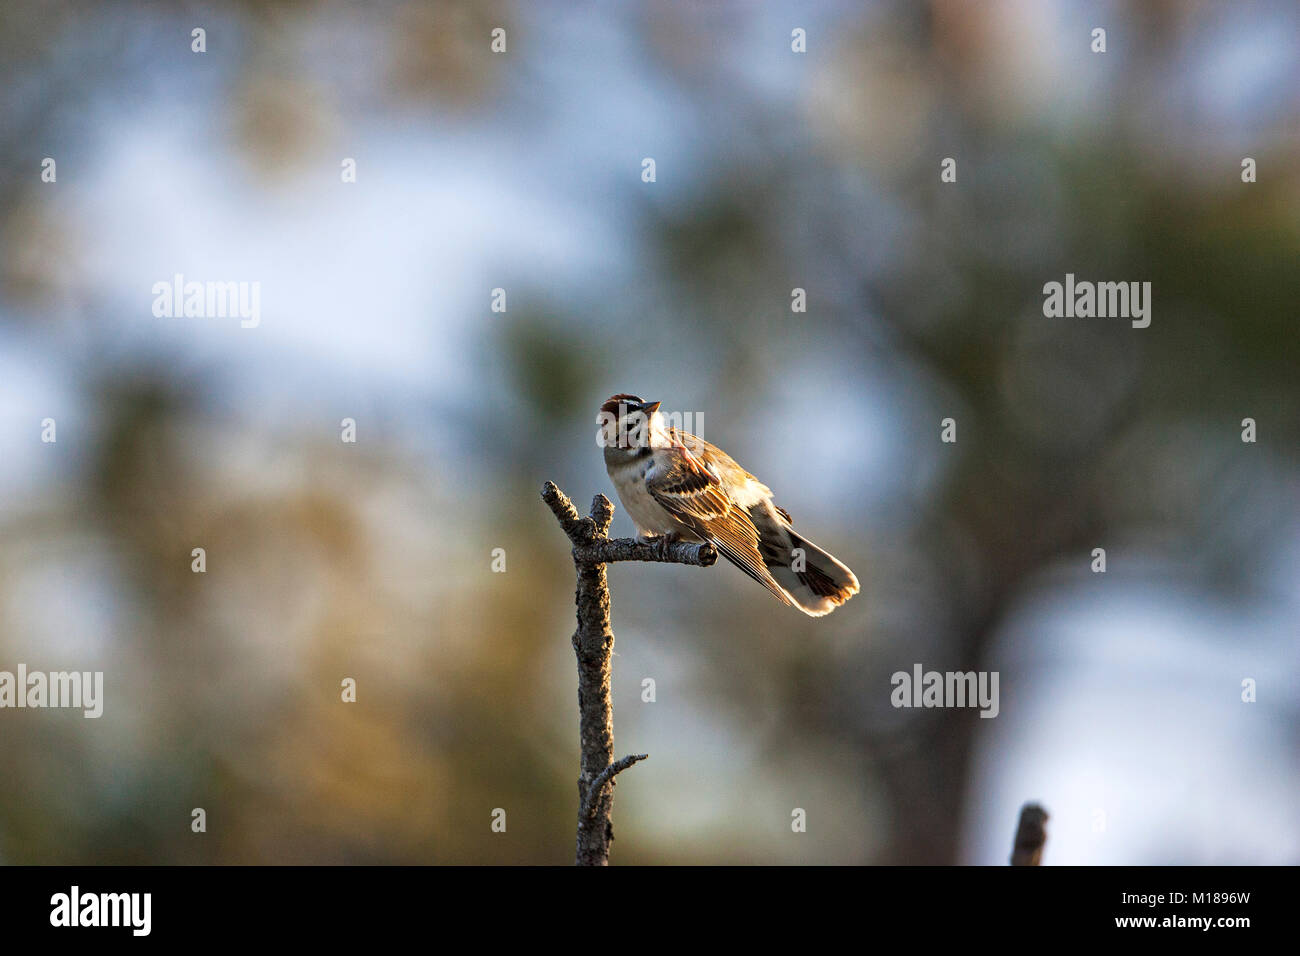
(691, 493)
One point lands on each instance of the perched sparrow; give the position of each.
(679, 487)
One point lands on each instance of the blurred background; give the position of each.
(1121, 693)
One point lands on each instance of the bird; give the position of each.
(678, 487)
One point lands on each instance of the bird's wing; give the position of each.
(718, 462)
(694, 495)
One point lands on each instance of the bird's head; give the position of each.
(626, 421)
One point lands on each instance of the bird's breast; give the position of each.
(630, 482)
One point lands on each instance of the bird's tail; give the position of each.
(815, 580)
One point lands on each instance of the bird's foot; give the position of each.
(666, 541)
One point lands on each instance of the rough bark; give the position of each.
(593, 643)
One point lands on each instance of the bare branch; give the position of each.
(1031, 835)
(579, 529)
(604, 777)
(593, 643)
(609, 550)
(602, 513)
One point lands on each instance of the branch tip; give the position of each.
(602, 513)
(565, 513)
(606, 776)
(1031, 836)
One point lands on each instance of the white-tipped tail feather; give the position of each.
(816, 581)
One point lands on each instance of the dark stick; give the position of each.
(593, 642)
(1031, 835)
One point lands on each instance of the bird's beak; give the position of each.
(651, 407)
